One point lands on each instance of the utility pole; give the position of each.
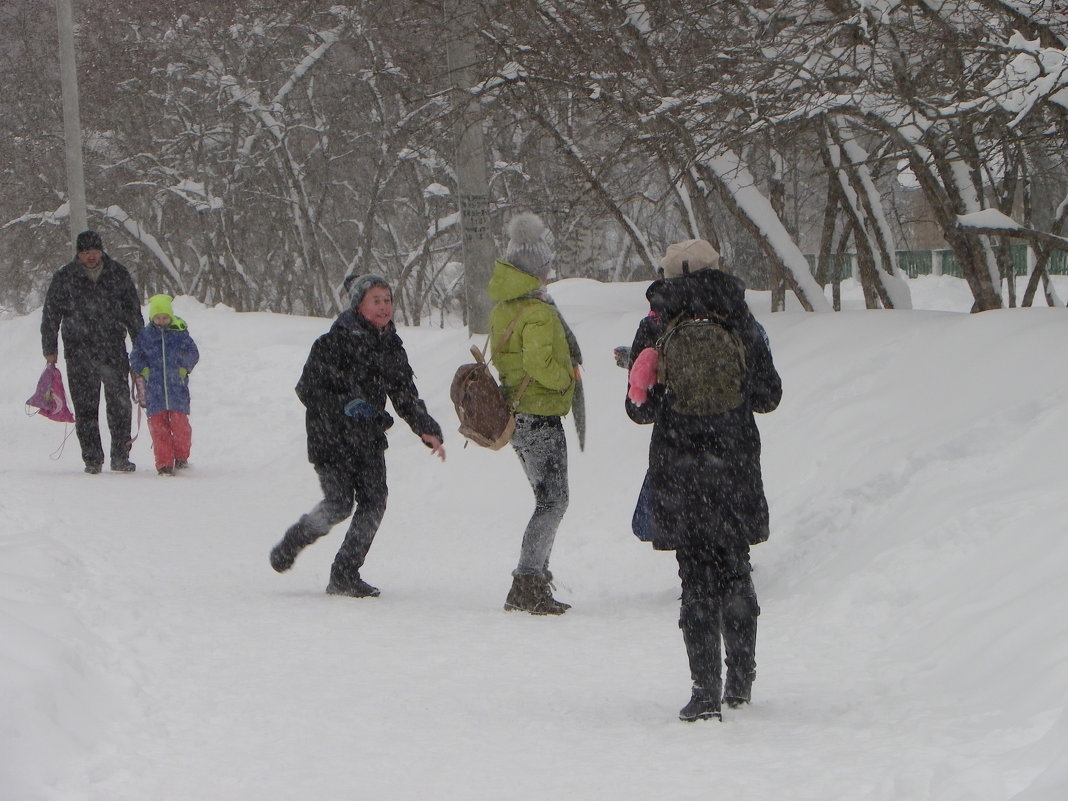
(72, 126)
(471, 173)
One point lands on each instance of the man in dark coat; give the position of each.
(708, 502)
(350, 372)
(94, 302)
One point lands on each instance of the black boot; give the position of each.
(704, 705)
(345, 580)
(739, 622)
(352, 586)
(284, 554)
(699, 621)
(737, 689)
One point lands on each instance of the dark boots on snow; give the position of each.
(704, 705)
(352, 586)
(737, 689)
(738, 619)
(699, 621)
(732, 615)
(344, 580)
(284, 554)
(120, 462)
(532, 592)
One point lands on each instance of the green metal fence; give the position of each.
(841, 267)
(915, 263)
(1057, 265)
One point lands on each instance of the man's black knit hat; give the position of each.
(89, 240)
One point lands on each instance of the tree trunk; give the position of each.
(471, 173)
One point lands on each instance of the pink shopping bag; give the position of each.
(50, 399)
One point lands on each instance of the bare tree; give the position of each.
(255, 153)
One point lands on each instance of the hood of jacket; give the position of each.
(698, 293)
(509, 282)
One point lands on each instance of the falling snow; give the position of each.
(912, 638)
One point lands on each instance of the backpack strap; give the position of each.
(522, 386)
(480, 355)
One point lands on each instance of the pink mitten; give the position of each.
(642, 375)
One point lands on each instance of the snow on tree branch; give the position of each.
(329, 39)
(729, 168)
(991, 222)
(1036, 74)
(139, 233)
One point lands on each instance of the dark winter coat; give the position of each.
(705, 470)
(94, 316)
(165, 356)
(355, 360)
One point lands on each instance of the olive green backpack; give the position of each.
(702, 365)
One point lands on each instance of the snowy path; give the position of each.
(911, 644)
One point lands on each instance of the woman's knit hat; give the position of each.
(357, 286)
(529, 245)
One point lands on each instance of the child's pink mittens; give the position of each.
(642, 375)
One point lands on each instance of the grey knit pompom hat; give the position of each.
(529, 245)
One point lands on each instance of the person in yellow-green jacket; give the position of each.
(536, 364)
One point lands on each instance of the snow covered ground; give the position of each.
(913, 642)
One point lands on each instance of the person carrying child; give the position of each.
(163, 356)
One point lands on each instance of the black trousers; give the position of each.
(360, 481)
(718, 601)
(86, 373)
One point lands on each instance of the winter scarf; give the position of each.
(569, 335)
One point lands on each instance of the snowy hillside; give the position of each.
(913, 641)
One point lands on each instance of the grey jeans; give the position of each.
(542, 449)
